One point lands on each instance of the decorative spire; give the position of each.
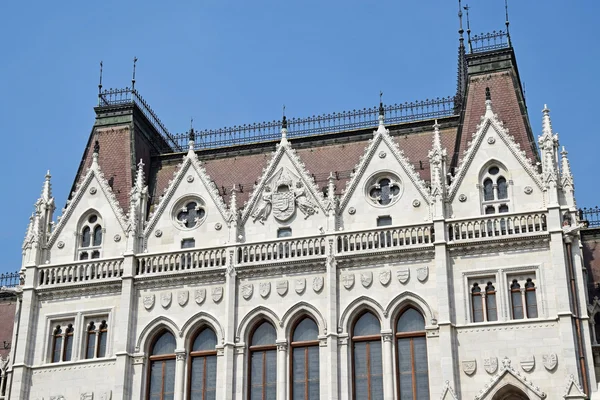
(507, 23)
(284, 126)
(437, 155)
(461, 82)
(467, 8)
(488, 102)
(139, 177)
(191, 136)
(331, 186)
(567, 176)
(47, 188)
(96, 152)
(100, 83)
(546, 122)
(133, 76)
(233, 201)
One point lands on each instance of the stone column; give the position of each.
(226, 370)
(333, 374)
(388, 364)
(282, 346)
(344, 379)
(139, 375)
(180, 355)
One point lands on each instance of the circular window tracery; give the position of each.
(189, 213)
(384, 189)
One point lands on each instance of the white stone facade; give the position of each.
(336, 264)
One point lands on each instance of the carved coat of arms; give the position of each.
(199, 295)
(182, 297)
(300, 285)
(490, 364)
(527, 362)
(282, 287)
(422, 273)
(469, 366)
(247, 291)
(550, 361)
(348, 281)
(217, 293)
(86, 396)
(165, 299)
(106, 395)
(148, 301)
(366, 278)
(403, 275)
(385, 277)
(264, 288)
(317, 283)
(284, 201)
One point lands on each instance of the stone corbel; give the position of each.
(139, 358)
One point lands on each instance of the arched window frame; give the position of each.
(204, 355)
(62, 343)
(491, 302)
(477, 303)
(98, 332)
(93, 248)
(306, 345)
(374, 339)
(257, 349)
(411, 335)
(495, 203)
(160, 358)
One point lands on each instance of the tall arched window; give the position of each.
(495, 190)
(203, 366)
(263, 363)
(161, 368)
(90, 243)
(305, 361)
(530, 299)
(477, 303)
(96, 340)
(412, 356)
(490, 302)
(516, 300)
(62, 343)
(367, 366)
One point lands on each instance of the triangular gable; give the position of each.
(93, 172)
(573, 390)
(448, 393)
(273, 168)
(490, 121)
(507, 374)
(382, 135)
(190, 160)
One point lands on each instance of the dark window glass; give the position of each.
(92, 219)
(203, 375)
(367, 357)
(161, 385)
(384, 220)
(477, 303)
(597, 327)
(191, 214)
(91, 341)
(305, 361)
(95, 254)
(488, 189)
(188, 243)
(502, 188)
(284, 232)
(84, 255)
(493, 170)
(530, 299)
(85, 237)
(164, 345)
(503, 208)
(490, 302)
(384, 191)
(412, 356)
(102, 337)
(57, 344)
(263, 363)
(68, 343)
(490, 210)
(97, 235)
(516, 300)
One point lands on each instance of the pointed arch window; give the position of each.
(203, 366)
(90, 237)
(96, 340)
(161, 368)
(494, 188)
(305, 361)
(263, 363)
(62, 343)
(411, 346)
(516, 300)
(367, 366)
(491, 308)
(530, 299)
(477, 304)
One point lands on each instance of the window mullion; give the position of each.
(524, 303)
(484, 306)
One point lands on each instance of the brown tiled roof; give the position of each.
(7, 318)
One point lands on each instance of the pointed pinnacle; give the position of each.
(139, 178)
(546, 122)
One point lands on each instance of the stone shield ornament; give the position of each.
(348, 281)
(247, 291)
(165, 299)
(199, 295)
(527, 363)
(366, 278)
(550, 361)
(148, 301)
(317, 283)
(264, 288)
(422, 273)
(385, 277)
(469, 367)
(490, 364)
(300, 285)
(403, 275)
(284, 204)
(217, 294)
(282, 287)
(182, 297)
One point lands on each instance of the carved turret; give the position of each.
(437, 161)
(548, 143)
(566, 181)
(234, 214)
(138, 205)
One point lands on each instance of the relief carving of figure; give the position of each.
(264, 208)
(307, 207)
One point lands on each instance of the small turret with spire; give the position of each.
(437, 160)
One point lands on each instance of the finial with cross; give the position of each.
(133, 77)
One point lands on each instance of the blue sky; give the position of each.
(233, 62)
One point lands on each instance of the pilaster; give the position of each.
(180, 356)
(282, 350)
(226, 371)
(388, 364)
(331, 374)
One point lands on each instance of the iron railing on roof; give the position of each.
(489, 41)
(114, 97)
(590, 217)
(10, 279)
(320, 124)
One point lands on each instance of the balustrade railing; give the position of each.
(385, 238)
(10, 279)
(78, 272)
(281, 250)
(496, 226)
(180, 261)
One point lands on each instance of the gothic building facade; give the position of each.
(427, 250)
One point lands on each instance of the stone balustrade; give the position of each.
(80, 271)
(192, 259)
(496, 226)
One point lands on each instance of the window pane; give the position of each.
(68, 347)
(271, 375)
(488, 190)
(169, 380)
(313, 373)
(366, 325)
(206, 340)
(156, 369)
(477, 308)
(97, 235)
(211, 378)
(384, 220)
(164, 345)
(405, 369)
(361, 384)
(410, 321)
(284, 232)
(420, 354)
(264, 335)
(299, 373)
(102, 344)
(305, 330)
(531, 303)
(91, 345)
(197, 385)
(256, 375)
(517, 304)
(85, 237)
(376, 366)
(57, 348)
(492, 311)
(502, 188)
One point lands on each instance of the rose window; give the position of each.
(190, 214)
(384, 190)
